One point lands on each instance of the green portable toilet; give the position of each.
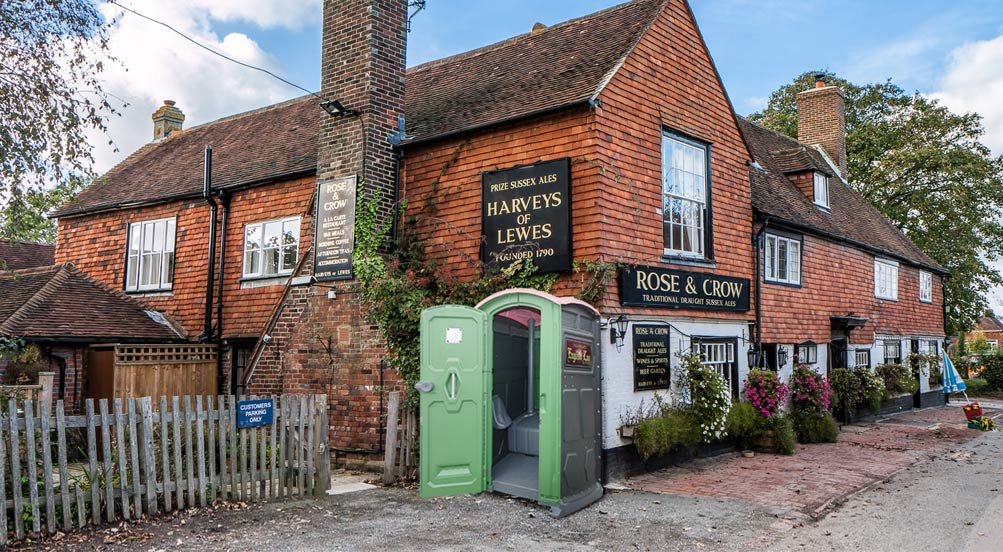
(511, 400)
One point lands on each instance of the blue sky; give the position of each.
(757, 45)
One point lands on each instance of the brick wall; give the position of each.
(837, 280)
(669, 82)
(96, 244)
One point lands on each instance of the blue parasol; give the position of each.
(952, 380)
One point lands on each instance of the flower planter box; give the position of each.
(627, 431)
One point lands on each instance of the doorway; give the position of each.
(514, 402)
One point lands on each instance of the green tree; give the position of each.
(50, 58)
(925, 168)
(23, 217)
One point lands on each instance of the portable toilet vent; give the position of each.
(510, 399)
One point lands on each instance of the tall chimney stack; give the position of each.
(166, 120)
(362, 68)
(822, 120)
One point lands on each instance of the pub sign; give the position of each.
(651, 286)
(651, 357)
(525, 214)
(334, 229)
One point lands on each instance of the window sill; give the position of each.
(779, 283)
(925, 301)
(252, 282)
(165, 292)
(893, 299)
(687, 261)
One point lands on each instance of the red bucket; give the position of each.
(973, 410)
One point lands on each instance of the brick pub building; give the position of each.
(661, 180)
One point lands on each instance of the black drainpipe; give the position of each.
(224, 200)
(757, 242)
(206, 194)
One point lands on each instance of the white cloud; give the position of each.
(974, 83)
(155, 64)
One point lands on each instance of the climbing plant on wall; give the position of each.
(398, 282)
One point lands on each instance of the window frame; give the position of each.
(885, 343)
(888, 265)
(282, 270)
(810, 350)
(925, 286)
(706, 241)
(788, 239)
(165, 279)
(856, 358)
(820, 181)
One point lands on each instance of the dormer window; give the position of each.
(821, 190)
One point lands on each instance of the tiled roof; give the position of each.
(17, 255)
(565, 64)
(257, 145)
(60, 303)
(801, 158)
(851, 216)
(990, 324)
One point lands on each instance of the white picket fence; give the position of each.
(137, 458)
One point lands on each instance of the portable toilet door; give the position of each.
(460, 417)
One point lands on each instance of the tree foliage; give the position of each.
(50, 57)
(925, 168)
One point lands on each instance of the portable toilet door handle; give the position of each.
(424, 386)
(452, 381)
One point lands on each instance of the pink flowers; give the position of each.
(809, 390)
(765, 391)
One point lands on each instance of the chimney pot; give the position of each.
(167, 119)
(819, 80)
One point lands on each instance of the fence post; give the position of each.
(390, 460)
(46, 380)
(146, 444)
(324, 456)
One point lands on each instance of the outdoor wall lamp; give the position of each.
(782, 353)
(617, 331)
(753, 357)
(335, 109)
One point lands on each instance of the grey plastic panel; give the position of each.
(581, 416)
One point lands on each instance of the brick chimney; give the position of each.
(362, 67)
(822, 120)
(166, 120)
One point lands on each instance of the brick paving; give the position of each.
(817, 474)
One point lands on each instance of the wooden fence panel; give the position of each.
(142, 459)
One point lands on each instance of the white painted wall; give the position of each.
(618, 368)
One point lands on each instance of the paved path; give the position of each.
(818, 475)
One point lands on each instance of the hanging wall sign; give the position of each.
(334, 229)
(650, 286)
(651, 357)
(525, 214)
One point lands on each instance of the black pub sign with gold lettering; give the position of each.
(525, 214)
(651, 357)
(651, 286)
